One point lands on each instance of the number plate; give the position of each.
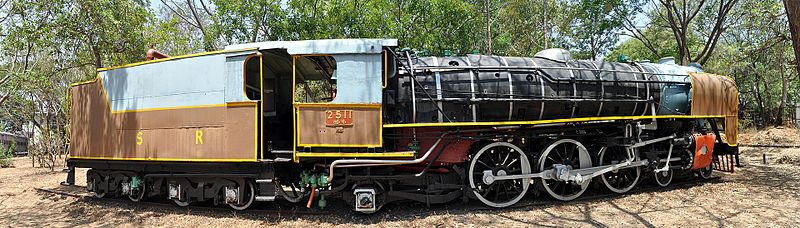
(335, 118)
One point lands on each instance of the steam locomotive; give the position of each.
(364, 121)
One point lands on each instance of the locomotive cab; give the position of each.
(315, 101)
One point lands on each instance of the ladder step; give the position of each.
(264, 181)
(265, 198)
(281, 151)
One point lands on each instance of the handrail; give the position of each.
(538, 68)
(377, 162)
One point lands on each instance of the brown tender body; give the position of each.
(228, 131)
(716, 95)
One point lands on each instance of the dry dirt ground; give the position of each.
(764, 195)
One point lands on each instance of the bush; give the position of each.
(5, 157)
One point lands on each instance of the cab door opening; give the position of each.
(272, 71)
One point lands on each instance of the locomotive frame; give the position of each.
(376, 156)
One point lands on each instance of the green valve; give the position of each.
(136, 182)
(314, 180)
(448, 53)
(414, 145)
(305, 178)
(322, 203)
(323, 180)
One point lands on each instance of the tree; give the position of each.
(647, 47)
(194, 15)
(754, 51)
(793, 14)
(49, 44)
(596, 24)
(680, 15)
(250, 21)
(519, 26)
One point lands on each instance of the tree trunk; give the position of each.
(793, 14)
(762, 113)
(544, 23)
(488, 28)
(784, 91)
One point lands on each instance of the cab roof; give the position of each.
(330, 46)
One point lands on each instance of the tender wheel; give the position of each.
(99, 195)
(95, 188)
(182, 203)
(566, 152)
(138, 193)
(502, 159)
(705, 173)
(249, 197)
(621, 180)
(291, 192)
(663, 178)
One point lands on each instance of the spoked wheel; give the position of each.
(502, 159)
(249, 197)
(290, 191)
(663, 178)
(705, 173)
(570, 153)
(621, 180)
(138, 193)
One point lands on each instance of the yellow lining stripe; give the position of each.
(174, 58)
(295, 136)
(165, 159)
(582, 119)
(344, 105)
(337, 145)
(385, 69)
(260, 109)
(298, 106)
(232, 104)
(228, 104)
(68, 104)
(241, 103)
(244, 73)
(363, 155)
(84, 82)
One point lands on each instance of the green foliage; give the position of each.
(5, 160)
(6, 154)
(755, 51)
(661, 40)
(596, 24)
(51, 44)
(249, 21)
(521, 25)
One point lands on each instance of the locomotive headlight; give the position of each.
(703, 150)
